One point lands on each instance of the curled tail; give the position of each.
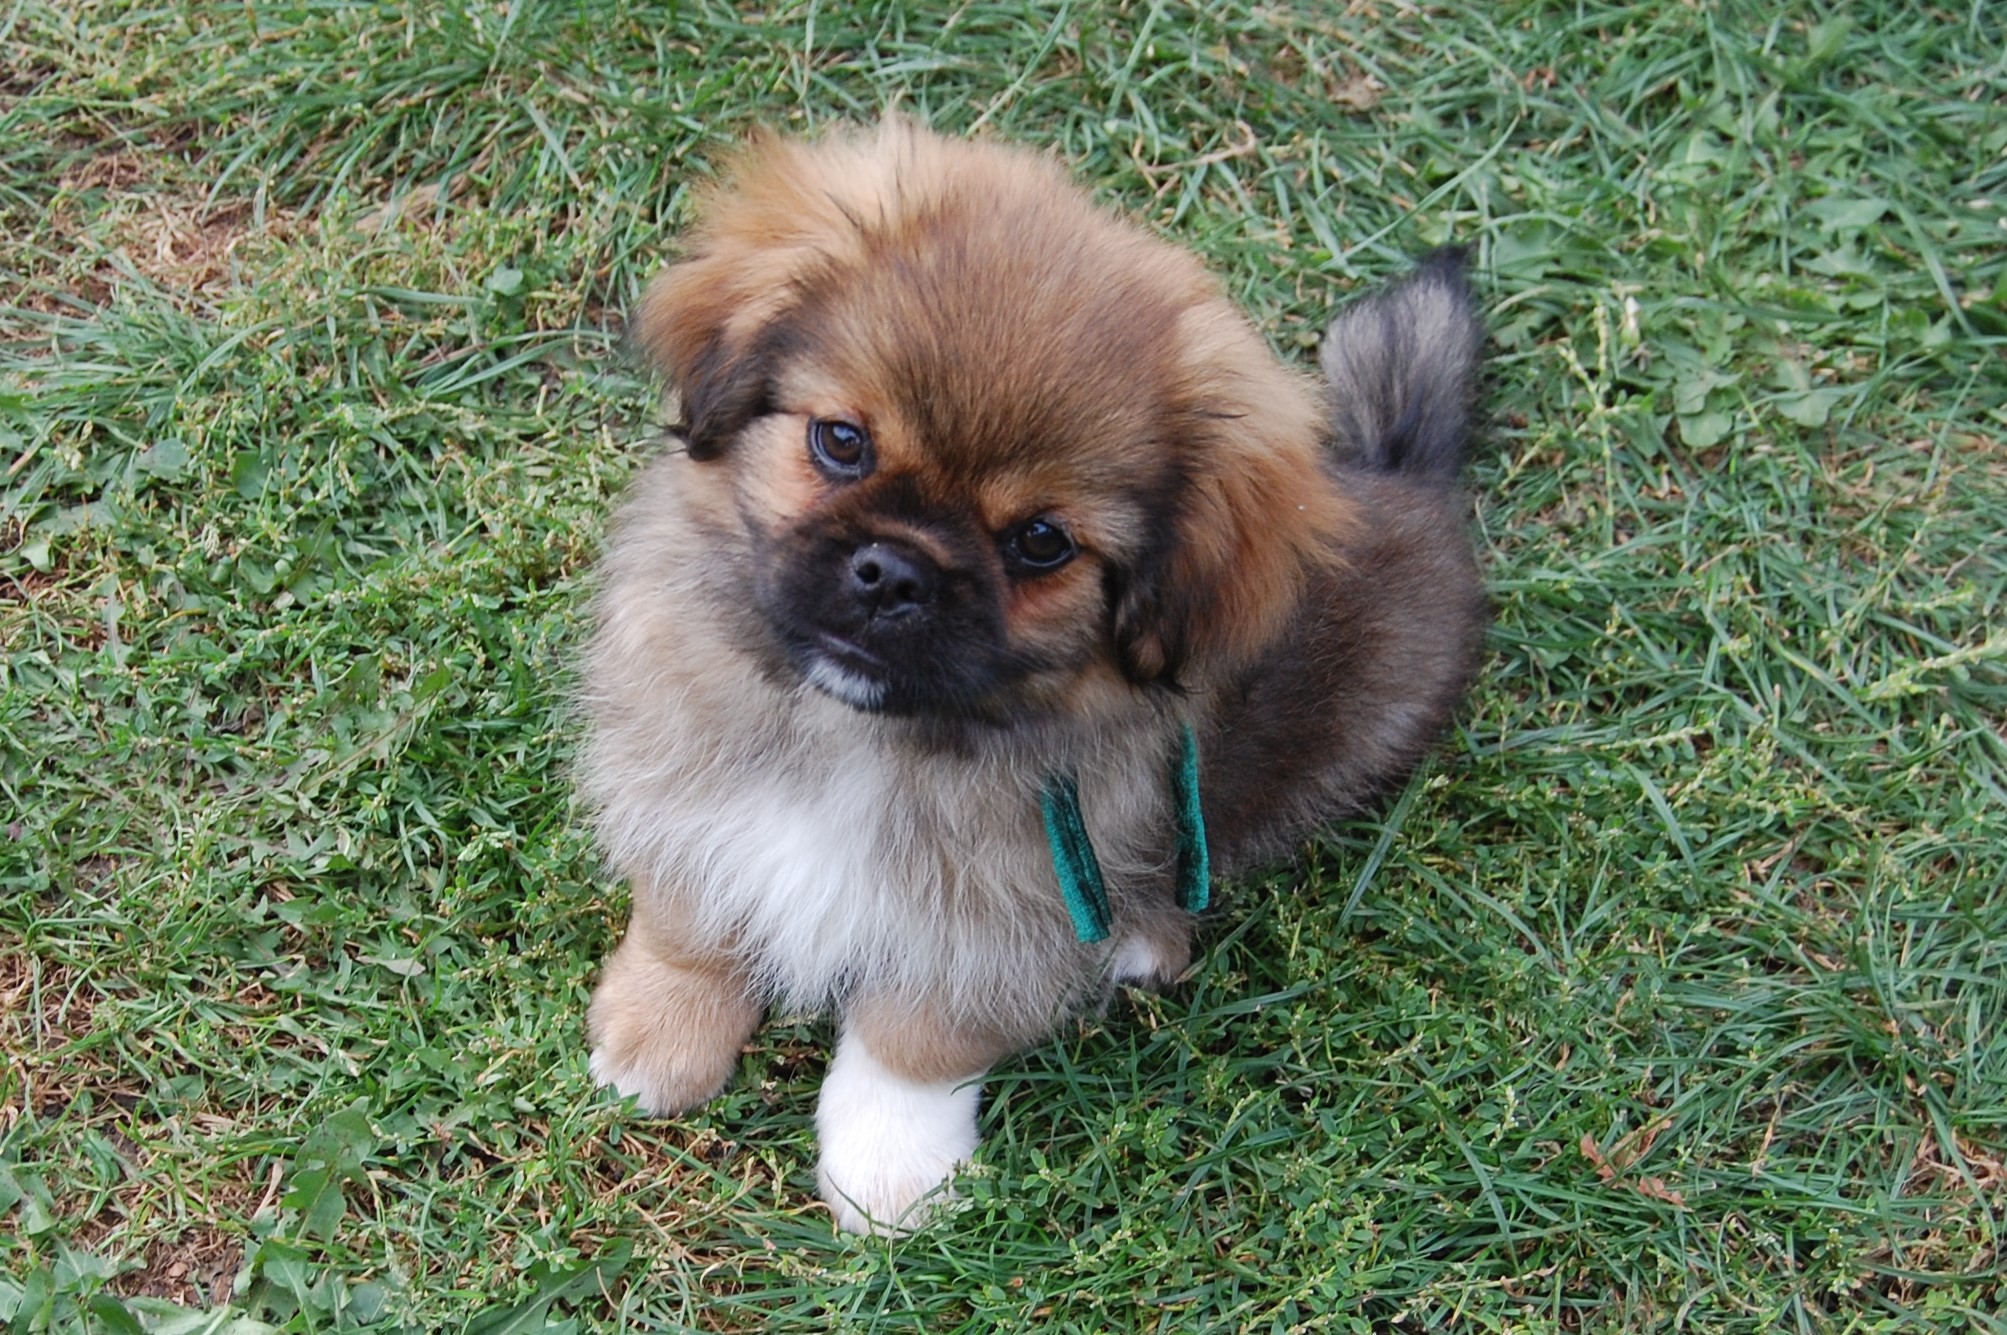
(1402, 367)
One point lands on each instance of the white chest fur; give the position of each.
(830, 857)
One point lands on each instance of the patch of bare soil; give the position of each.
(194, 1266)
(121, 215)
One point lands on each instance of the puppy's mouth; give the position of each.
(848, 654)
(874, 683)
(838, 668)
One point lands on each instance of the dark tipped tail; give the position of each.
(1402, 366)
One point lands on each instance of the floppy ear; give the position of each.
(685, 327)
(708, 322)
(1255, 511)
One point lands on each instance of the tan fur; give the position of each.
(921, 1041)
(1263, 514)
(672, 1014)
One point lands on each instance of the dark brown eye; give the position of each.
(840, 449)
(1039, 545)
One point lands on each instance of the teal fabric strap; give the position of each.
(1195, 872)
(1079, 871)
(1073, 858)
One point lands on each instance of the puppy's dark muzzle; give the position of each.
(889, 625)
(888, 580)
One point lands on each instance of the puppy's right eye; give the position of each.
(840, 449)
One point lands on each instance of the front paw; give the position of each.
(666, 1034)
(1152, 955)
(889, 1144)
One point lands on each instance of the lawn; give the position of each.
(1671, 995)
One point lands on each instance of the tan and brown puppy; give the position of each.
(983, 490)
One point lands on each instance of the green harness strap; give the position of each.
(1195, 870)
(1073, 859)
(1079, 871)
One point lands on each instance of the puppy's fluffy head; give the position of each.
(970, 447)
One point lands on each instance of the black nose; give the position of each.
(886, 580)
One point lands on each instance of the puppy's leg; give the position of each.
(898, 1113)
(669, 1016)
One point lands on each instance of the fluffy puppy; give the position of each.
(989, 509)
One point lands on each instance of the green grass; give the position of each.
(1672, 996)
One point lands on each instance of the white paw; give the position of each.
(626, 1081)
(889, 1145)
(604, 1072)
(1138, 959)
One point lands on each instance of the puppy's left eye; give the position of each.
(1039, 545)
(841, 449)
